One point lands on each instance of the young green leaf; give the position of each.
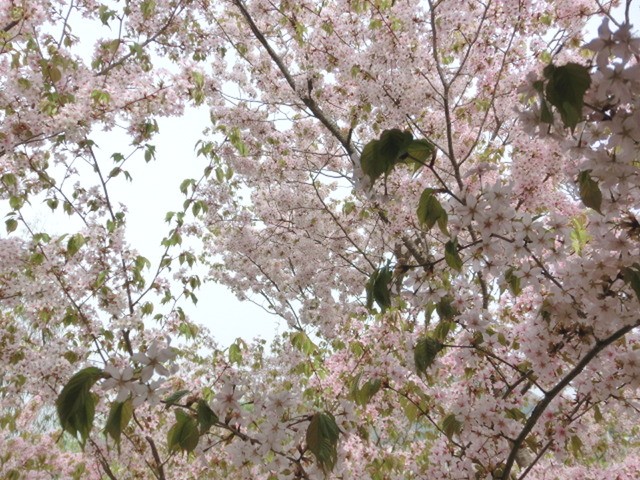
(235, 354)
(442, 330)
(12, 225)
(302, 342)
(513, 281)
(579, 236)
(545, 112)
(322, 440)
(75, 243)
(632, 277)
(363, 395)
(419, 151)
(445, 308)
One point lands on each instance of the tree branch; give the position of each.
(555, 391)
(309, 102)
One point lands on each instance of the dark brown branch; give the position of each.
(309, 102)
(156, 457)
(103, 461)
(555, 391)
(10, 25)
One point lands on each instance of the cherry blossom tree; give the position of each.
(440, 199)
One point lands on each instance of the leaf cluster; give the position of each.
(394, 147)
(563, 88)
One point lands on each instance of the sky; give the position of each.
(155, 191)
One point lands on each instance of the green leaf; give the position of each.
(206, 417)
(590, 193)
(9, 179)
(513, 281)
(378, 288)
(75, 243)
(451, 255)
(105, 14)
(430, 211)
(235, 354)
(148, 7)
(451, 425)
(419, 151)
(565, 90)
(632, 277)
(579, 236)
(380, 156)
(54, 74)
(175, 398)
(425, 353)
(515, 414)
(576, 445)
(16, 202)
(184, 434)
(302, 342)
(119, 417)
(442, 330)
(445, 308)
(52, 203)
(13, 475)
(322, 440)
(363, 395)
(11, 224)
(545, 112)
(76, 405)
(597, 414)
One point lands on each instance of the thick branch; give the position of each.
(310, 103)
(555, 391)
(10, 25)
